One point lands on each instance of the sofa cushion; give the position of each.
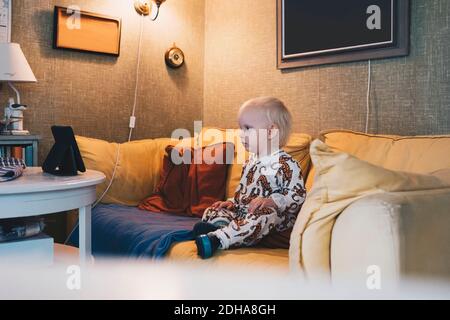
(138, 169)
(188, 188)
(340, 180)
(242, 257)
(443, 174)
(419, 154)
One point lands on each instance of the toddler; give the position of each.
(271, 190)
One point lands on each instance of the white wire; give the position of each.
(112, 177)
(103, 194)
(131, 129)
(132, 113)
(71, 232)
(137, 74)
(369, 84)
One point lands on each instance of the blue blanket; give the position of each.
(130, 232)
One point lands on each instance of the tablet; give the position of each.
(64, 158)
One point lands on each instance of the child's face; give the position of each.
(254, 131)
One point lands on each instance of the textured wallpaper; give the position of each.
(94, 93)
(410, 95)
(230, 49)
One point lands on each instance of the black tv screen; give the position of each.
(311, 28)
(334, 25)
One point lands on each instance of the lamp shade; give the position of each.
(14, 66)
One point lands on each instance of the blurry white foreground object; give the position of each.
(36, 251)
(125, 279)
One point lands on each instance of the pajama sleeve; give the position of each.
(291, 193)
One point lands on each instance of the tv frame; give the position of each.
(400, 48)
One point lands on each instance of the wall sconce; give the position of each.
(148, 7)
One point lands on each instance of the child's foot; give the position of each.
(207, 245)
(203, 228)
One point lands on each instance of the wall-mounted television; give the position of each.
(313, 32)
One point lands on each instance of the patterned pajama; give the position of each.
(276, 176)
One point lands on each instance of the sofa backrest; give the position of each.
(417, 154)
(140, 162)
(137, 173)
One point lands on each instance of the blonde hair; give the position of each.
(276, 112)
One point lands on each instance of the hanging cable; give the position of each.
(153, 18)
(133, 112)
(136, 87)
(132, 124)
(369, 84)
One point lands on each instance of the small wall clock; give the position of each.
(174, 57)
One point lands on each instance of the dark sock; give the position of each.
(207, 245)
(203, 228)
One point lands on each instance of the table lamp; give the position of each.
(14, 67)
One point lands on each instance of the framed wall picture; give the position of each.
(85, 31)
(314, 32)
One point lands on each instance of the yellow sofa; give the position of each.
(137, 175)
(355, 243)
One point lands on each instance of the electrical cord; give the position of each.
(369, 85)
(132, 124)
(157, 12)
(133, 112)
(103, 194)
(138, 64)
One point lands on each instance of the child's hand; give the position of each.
(223, 205)
(259, 203)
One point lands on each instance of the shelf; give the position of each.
(28, 142)
(9, 138)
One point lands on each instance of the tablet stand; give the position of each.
(64, 158)
(61, 161)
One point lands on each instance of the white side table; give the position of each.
(37, 193)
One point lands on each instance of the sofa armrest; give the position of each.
(405, 234)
